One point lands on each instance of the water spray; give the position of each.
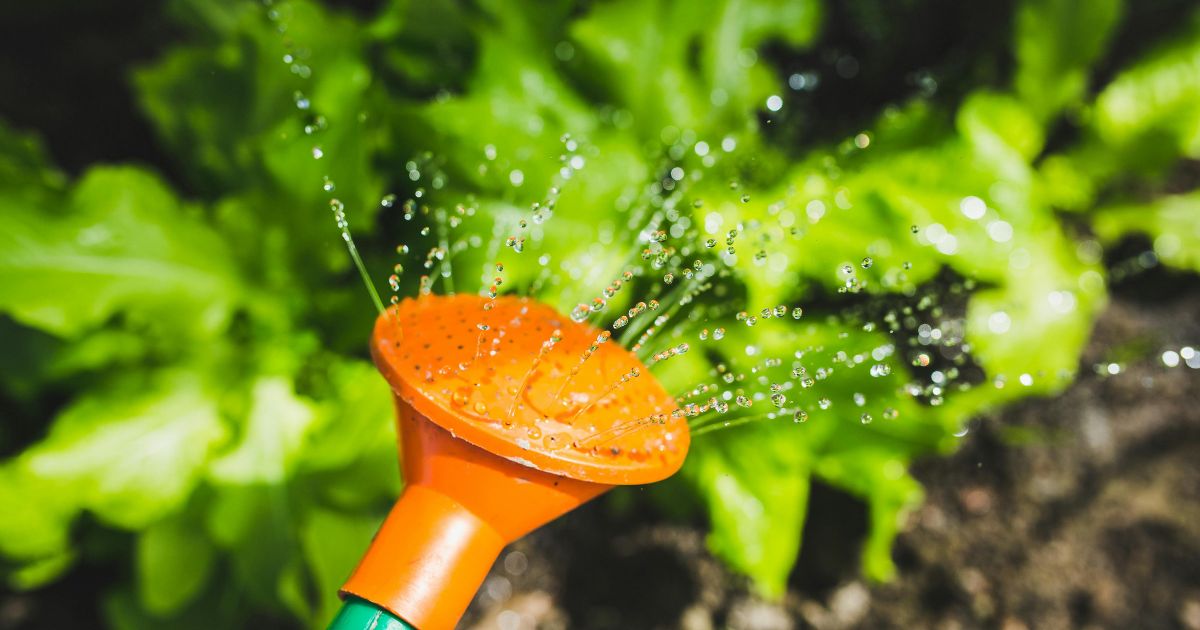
(512, 414)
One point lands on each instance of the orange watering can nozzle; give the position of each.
(510, 415)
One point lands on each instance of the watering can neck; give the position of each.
(359, 614)
(427, 560)
(460, 506)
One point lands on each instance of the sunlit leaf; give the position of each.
(124, 243)
(131, 453)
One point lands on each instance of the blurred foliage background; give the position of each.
(192, 432)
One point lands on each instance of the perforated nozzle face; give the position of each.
(521, 390)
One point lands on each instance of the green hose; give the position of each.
(359, 614)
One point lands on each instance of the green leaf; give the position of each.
(131, 453)
(124, 244)
(1057, 41)
(755, 479)
(37, 523)
(357, 414)
(879, 474)
(174, 559)
(236, 114)
(26, 177)
(351, 460)
(702, 73)
(1173, 222)
(256, 527)
(1001, 129)
(274, 435)
(755, 474)
(333, 544)
(527, 112)
(42, 571)
(1151, 111)
(1051, 310)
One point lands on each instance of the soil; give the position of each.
(1078, 511)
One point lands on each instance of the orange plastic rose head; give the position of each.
(511, 414)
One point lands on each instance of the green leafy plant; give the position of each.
(202, 354)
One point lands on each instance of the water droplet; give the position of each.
(800, 416)
(867, 262)
(866, 418)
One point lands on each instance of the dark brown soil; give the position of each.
(1080, 511)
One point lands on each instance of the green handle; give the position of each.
(360, 614)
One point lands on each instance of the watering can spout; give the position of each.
(499, 435)
(461, 505)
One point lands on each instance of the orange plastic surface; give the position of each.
(459, 508)
(476, 372)
(503, 428)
